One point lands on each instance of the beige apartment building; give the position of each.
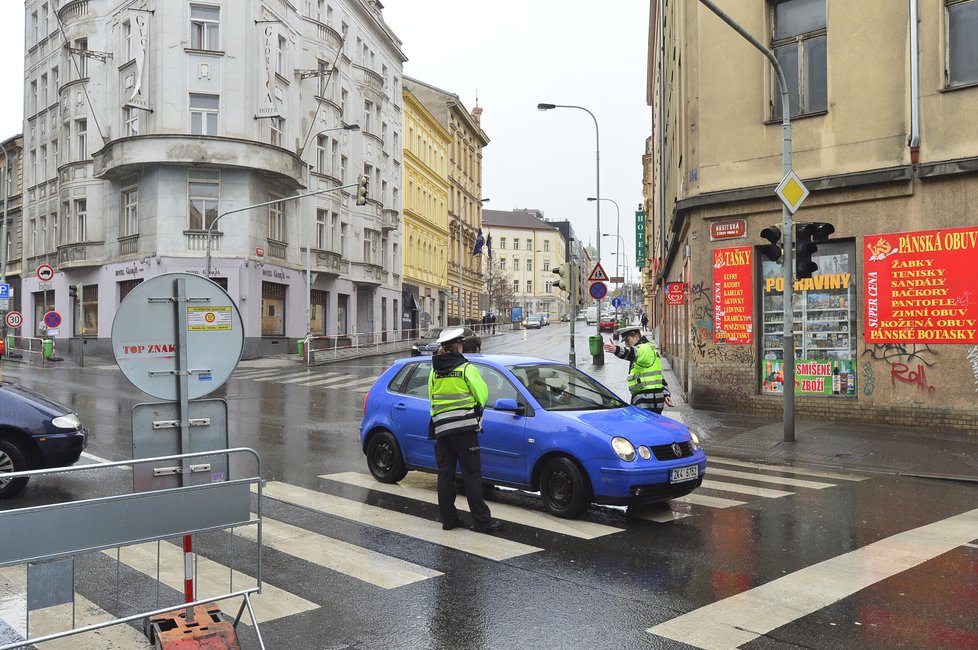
(883, 96)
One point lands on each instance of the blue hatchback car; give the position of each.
(547, 427)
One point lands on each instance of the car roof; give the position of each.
(492, 359)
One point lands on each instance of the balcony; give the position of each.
(390, 219)
(328, 262)
(277, 249)
(366, 273)
(197, 240)
(128, 245)
(81, 254)
(330, 36)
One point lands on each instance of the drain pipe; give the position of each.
(914, 87)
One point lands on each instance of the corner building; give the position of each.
(146, 122)
(882, 98)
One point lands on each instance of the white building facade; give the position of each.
(148, 122)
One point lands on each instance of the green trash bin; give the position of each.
(301, 344)
(47, 348)
(10, 343)
(594, 344)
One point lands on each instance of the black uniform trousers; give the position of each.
(461, 449)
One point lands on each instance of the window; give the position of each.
(276, 220)
(81, 139)
(546, 245)
(130, 212)
(516, 286)
(529, 244)
(272, 309)
(334, 230)
(548, 287)
(321, 229)
(203, 192)
(962, 48)
(529, 264)
(516, 244)
(546, 265)
(344, 235)
(529, 286)
(127, 38)
(65, 223)
(502, 243)
(368, 111)
(343, 97)
(323, 77)
(280, 56)
(799, 30)
(81, 220)
(317, 319)
(81, 45)
(502, 264)
(131, 117)
(343, 170)
(43, 221)
(205, 27)
(204, 111)
(322, 144)
(276, 126)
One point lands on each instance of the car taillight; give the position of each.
(365, 404)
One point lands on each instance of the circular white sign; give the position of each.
(45, 272)
(14, 319)
(145, 335)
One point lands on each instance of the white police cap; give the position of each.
(450, 334)
(629, 328)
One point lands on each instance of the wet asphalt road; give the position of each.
(553, 589)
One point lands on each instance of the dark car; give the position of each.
(547, 427)
(428, 342)
(35, 433)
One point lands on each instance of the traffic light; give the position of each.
(582, 292)
(772, 251)
(805, 247)
(362, 190)
(72, 291)
(566, 281)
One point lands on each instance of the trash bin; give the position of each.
(10, 343)
(47, 348)
(594, 344)
(301, 344)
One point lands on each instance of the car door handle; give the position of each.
(400, 406)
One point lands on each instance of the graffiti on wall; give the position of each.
(869, 380)
(973, 358)
(701, 298)
(908, 364)
(901, 372)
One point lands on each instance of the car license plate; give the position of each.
(687, 473)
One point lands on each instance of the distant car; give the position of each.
(428, 342)
(533, 322)
(35, 433)
(544, 317)
(581, 315)
(547, 427)
(608, 323)
(565, 318)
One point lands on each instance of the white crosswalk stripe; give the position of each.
(421, 487)
(331, 380)
(818, 473)
(723, 486)
(708, 501)
(765, 478)
(487, 546)
(311, 376)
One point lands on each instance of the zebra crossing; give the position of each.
(312, 377)
(733, 487)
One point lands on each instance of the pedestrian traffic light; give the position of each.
(565, 282)
(805, 247)
(773, 250)
(72, 291)
(362, 190)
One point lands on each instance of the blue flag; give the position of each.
(489, 246)
(479, 243)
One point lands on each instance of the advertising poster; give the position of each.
(733, 296)
(921, 287)
(812, 377)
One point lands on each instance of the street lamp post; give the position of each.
(596, 359)
(3, 230)
(309, 236)
(467, 204)
(617, 227)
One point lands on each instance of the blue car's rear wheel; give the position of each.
(565, 490)
(384, 458)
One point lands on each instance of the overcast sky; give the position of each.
(514, 54)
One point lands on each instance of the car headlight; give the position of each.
(70, 421)
(624, 448)
(695, 439)
(644, 452)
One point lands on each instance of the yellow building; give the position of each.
(882, 97)
(425, 281)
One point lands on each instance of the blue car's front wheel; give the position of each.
(564, 488)
(384, 458)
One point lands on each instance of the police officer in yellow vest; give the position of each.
(458, 395)
(645, 381)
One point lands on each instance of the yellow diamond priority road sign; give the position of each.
(792, 192)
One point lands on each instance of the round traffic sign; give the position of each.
(14, 319)
(45, 272)
(598, 290)
(52, 319)
(616, 302)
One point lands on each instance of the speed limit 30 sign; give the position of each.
(14, 319)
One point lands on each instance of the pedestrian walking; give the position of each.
(458, 396)
(492, 322)
(645, 321)
(645, 381)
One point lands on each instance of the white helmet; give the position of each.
(451, 334)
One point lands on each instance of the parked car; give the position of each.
(533, 322)
(35, 433)
(548, 427)
(544, 317)
(608, 323)
(428, 344)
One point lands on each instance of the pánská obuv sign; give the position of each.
(733, 295)
(920, 287)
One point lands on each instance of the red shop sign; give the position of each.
(675, 293)
(920, 287)
(733, 296)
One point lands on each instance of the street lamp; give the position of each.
(459, 217)
(3, 230)
(617, 227)
(597, 359)
(309, 236)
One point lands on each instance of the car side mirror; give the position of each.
(509, 404)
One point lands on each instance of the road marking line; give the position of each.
(355, 561)
(734, 621)
(264, 372)
(284, 375)
(13, 611)
(308, 377)
(331, 380)
(421, 487)
(661, 517)
(487, 546)
(788, 469)
(709, 502)
(212, 579)
(765, 478)
(744, 489)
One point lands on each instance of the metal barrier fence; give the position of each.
(316, 349)
(29, 348)
(47, 540)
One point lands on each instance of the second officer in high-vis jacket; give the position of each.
(645, 381)
(458, 396)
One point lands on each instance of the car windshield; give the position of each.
(562, 388)
(432, 334)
